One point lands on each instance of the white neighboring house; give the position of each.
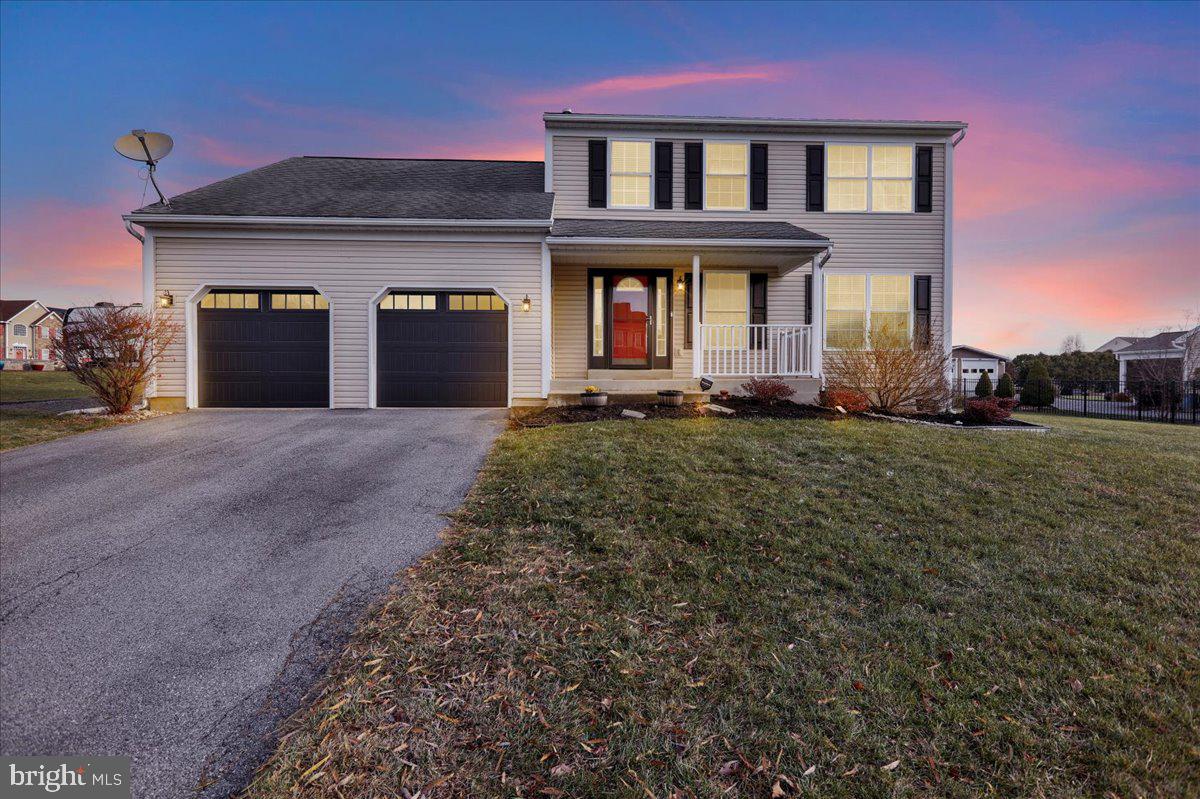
(1118, 343)
(1174, 355)
(971, 363)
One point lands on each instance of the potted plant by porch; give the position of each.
(593, 397)
(670, 397)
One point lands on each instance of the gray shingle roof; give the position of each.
(656, 229)
(1155, 343)
(374, 188)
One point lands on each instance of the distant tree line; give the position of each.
(1070, 369)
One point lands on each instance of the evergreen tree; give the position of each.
(1004, 388)
(983, 386)
(1038, 391)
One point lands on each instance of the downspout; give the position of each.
(817, 336)
(134, 233)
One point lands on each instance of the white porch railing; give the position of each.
(755, 350)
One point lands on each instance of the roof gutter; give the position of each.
(570, 119)
(327, 221)
(625, 242)
(132, 232)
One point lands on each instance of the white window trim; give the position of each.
(20, 330)
(608, 188)
(912, 305)
(704, 174)
(870, 144)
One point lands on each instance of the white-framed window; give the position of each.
(869, 178)
(726, 302)
(858, 304)
(726, 175)
(629, 174)
(20, 331)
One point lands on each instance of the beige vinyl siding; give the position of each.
(862, 241)
(32, 346)
(351, 272)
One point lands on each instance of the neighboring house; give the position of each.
(970, 363)
(1117, 344)
(646, 252)
(1174, 355)
(28, 328)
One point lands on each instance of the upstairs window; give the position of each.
(20, 330)
(726, 181)
(629, 174)
(875, 178)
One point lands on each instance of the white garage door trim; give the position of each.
(192, 331)
(372, 344)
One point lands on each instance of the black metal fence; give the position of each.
(1170, 401)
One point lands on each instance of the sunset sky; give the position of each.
(1077, 186)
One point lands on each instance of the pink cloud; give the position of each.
(655, 82)
(97, 260)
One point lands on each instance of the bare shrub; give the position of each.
(114, 351)
(767, 390)
(987, 410)
(894, 375)
(847, 400)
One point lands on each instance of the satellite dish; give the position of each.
(143, 146)
(148, 148)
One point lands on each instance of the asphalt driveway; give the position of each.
(172, 589)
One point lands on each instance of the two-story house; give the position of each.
(645, 252)
(27, 330)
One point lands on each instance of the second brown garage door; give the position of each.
(442, 349)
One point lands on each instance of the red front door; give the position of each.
(630, 320)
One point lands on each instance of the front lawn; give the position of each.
(29, 386)
(21, 428)
(700, 608)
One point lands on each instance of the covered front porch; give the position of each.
(628, 318)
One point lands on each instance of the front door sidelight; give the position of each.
(629, 320)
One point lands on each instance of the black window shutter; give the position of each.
(664, 172)
(758, 177)
(693, 185)
(924, 180)
(922, 309)
(808, 299)
(814, 160)
(758, 299)
(597, 173)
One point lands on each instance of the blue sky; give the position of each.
(1077, 183)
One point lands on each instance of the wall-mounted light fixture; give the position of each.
(165, 299)
(680, 283)
(526, 304)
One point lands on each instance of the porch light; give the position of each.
(165, 299)
(680, 283)
(526, 304)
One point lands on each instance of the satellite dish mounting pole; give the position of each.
(150, 165)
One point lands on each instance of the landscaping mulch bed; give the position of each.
(743, 408)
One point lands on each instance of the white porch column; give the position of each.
(697, 343)
(818, 313)
(1121, 363)
(546, 309)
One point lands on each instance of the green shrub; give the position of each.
(1038, 391)
(1004, 388)
(983, 386)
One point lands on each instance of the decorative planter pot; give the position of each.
(593, 400)
(37, 367)
(670, 397)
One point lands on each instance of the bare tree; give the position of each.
(893, 374)
(114, 351)
(1072, 343)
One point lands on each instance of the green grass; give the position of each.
(20, 429)
(28, 386)
(711, 608)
